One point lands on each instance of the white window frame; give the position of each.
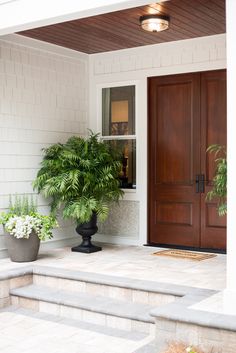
(119, 137)
(95, 123)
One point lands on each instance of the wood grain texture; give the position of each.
(213, 130)
(174, 159)
(121, 29)
(187, 113)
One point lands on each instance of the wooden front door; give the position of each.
(187, 113)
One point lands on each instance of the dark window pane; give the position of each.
(127, 149)
(118, 111)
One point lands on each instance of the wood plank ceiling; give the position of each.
(121, 29)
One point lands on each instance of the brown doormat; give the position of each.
(183, 254)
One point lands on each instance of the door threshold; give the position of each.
(190, 248)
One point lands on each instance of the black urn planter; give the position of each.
(86, 230)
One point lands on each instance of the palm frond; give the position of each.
(81, 176)
(219, 187)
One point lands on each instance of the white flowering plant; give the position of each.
(23, 219)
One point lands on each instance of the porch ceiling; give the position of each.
(121, 29)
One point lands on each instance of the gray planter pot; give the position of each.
(22, 250)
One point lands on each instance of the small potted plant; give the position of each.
(81, 177)
(24, 228)
(219, 187)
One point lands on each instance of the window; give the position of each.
(118, 129)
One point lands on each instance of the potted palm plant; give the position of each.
(219, 188)
(81, 177)
(25, 228)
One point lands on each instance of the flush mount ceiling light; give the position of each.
(154, 23)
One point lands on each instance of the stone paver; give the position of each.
(136, 262)
(24, 331)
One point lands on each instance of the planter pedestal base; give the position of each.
(86, 248)
(86, 230)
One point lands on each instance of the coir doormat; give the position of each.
(183, 254)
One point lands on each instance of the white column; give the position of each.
(230, 293)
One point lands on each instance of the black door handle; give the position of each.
(202, 183)
(197, 181)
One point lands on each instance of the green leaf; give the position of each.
(81, 176)
(219, 187)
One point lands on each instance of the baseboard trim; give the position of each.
(116, 239)
(59, 243)
(73, 241)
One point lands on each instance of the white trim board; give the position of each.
(21, 15)
(43, 46)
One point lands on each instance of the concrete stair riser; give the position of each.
(110, 291)
(10, 283)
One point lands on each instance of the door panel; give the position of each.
(213, 122)
(187, 113)
(175, 213)
(174, 159)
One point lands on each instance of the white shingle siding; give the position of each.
(189, 51)
(43, 100)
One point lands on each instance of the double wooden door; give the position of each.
(187, 113)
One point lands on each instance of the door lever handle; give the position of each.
(202, 183)
(197, 181)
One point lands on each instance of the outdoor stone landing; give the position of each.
(159, 311)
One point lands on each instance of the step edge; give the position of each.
(16, 292)
(108, 280)
(121, 282)
(181, 311)
(16, 272)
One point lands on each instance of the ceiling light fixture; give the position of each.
(154, 23)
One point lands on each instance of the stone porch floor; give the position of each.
(136, 262)
(20, 331)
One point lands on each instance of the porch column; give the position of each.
(230, 293)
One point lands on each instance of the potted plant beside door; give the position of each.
(219, 187)
(82, 178)
(25, 227)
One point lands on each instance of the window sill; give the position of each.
(128, 191)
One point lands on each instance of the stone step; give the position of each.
(86, 307)
(65, 334)
(127, 289)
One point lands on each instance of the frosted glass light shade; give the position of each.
(154, 23)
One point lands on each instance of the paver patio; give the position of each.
(22, 329)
